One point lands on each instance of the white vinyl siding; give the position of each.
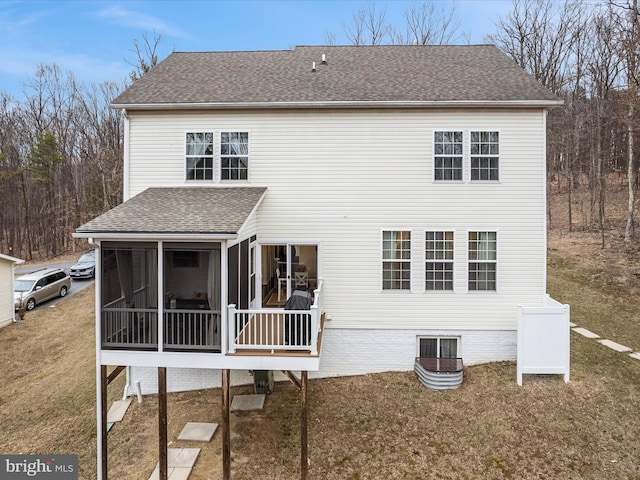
(339, 177)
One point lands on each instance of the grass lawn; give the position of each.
(383, 426)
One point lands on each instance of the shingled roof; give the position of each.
(402, 75)
(182, 210)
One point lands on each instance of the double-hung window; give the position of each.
(439, 260)
(396, 260)
(234, 155)
(483, 248)
(199, 155)
(447, 155)
(485, 156)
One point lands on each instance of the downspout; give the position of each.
(125, 157)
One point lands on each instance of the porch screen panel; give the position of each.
(129, 295)
(243, 279)
(233, 255)
(128, 271)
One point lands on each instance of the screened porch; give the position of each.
(167, 297)
(189, 277)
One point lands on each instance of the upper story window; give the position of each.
(483, 258)
(484, 155)
(447, 155)
(234, 155)
(199, 155)
(439, 260)
(396, 260)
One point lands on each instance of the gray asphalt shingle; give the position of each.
(182, 210)
(404, 73)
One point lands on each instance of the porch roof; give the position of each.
(220, 211)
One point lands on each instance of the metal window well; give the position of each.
(439, 373)
(263, 381)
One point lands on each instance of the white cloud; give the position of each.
(130, 18)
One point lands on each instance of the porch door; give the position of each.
(285, 268)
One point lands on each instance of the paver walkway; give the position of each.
(603, 341)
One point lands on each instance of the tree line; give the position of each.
(60, 161)
(61, 152)
(61, 156)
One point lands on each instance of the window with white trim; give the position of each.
(483, 248)
(438, 347)
(396, 260)
(199, 155)
(439, 260)
(485, 156)
(234, 155)
(447, 155)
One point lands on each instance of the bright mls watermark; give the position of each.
(50, 467)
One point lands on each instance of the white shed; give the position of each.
(7, 266)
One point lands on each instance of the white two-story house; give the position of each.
(401, 187)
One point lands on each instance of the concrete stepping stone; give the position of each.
(248, 402)
(117, 410)
(180, 461)
(585, 333)
(182, 457)
(635, 355)
(198, 432)
(615, 346)
(173, 473)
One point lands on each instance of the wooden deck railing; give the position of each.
(183, 330)
(275, 328)
(128, 328)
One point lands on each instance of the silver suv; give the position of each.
(36, 287)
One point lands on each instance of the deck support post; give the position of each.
(162, 422)
(226, 427)
(103, 422)
(304, 447)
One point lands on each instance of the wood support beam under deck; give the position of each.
(162, 422)
(103, 421)
(304, 447)
(226, 426)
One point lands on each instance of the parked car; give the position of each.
(36, 287)
(85, 267)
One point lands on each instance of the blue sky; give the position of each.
(94, 39)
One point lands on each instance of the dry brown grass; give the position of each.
(369, 427)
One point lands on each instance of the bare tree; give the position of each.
(146, 56)
(539, 35)
(430, 23)
(626, 18)
(369, 26)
